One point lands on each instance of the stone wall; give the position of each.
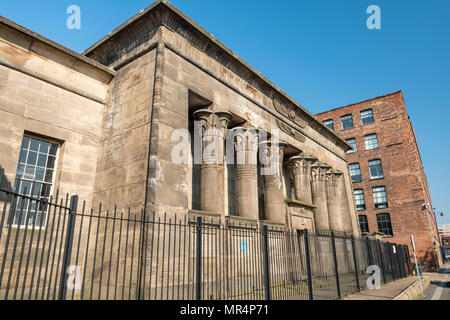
(123, 153)
(47, 92)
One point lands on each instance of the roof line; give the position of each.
(55, 45)
(367, 100)
(176, 11)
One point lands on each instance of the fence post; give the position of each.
(391, 260)
(369, 254)
(198, 265)
(355, 263)
(407, 259)
(308, 261)
(380, 253)
(400, 269)
(68, 247)
(336, 271)
(265, 233)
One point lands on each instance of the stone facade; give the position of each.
(403, 175)
(117, 111)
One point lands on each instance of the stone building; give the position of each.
(104, 125)
(389, 183)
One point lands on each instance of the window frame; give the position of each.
(384, 221)
(344, 120)
(372, 116)
(332, 123)
(359, 168)
(366, 223)
(379, 169)
(355, 149)
(380, 205)
(363, 205)
(18, 181)
(366, 144)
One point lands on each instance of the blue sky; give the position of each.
(319, 52)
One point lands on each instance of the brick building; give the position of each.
(389, 184)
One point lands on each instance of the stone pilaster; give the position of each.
(300, 172)
(334, 210)
(246, 159)
(319, 195)
(344, 206)
(213, 126)
(274, 207)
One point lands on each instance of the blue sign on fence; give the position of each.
(244, 246)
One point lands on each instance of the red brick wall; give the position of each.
(404, 178)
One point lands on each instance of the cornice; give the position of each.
(140, 28)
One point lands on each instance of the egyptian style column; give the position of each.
(319, 195)
(274, 208)
(334, 212)
(300, 172)
(246, 159)
(213, 125)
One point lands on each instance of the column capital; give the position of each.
(300, 164)
(245, 139)
(319, 170)
(273, 153)
(213, 122)
(332, 177)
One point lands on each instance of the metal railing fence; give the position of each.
(52, 249)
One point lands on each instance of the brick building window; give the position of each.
(355, 172)
(329, 123)
(384, 224)
(34, 178)
(375, 169)
(367, 116)
(371, 141)
(359, 199)
(347, 122)
(352, 142)
(363, 223)
(380, 197)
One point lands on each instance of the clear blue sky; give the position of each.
(319, 52)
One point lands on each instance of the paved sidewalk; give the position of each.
(387, 291)
(438, 288)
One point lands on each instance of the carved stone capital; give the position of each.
(300, 164)
(213, 128)
(272, 157)
(318, 171)
(332, 178)
(213, 123)
(245, 139)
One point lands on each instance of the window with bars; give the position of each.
(347, 122)
(363, 223)
(34, 178)
(380, 197)
(352, 142)
(359, 199)
(367, 116)
(384, 224)
(355, 172)
(371, 141)
(329, 123)
(376, 169)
